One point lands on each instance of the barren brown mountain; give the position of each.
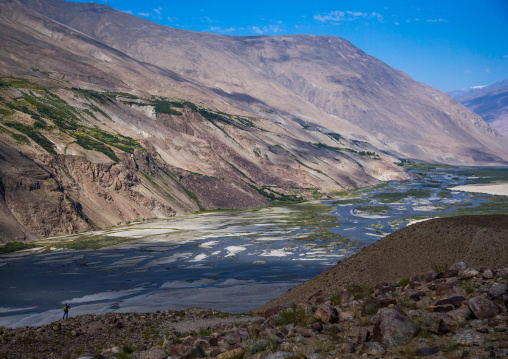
(107, 118)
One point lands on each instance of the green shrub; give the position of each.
(93, 145)
(290, 316)
(441, 268)
(15, 246)
(360, 292)
(38, 138)
(404, 281)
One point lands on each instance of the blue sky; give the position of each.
(446, 44)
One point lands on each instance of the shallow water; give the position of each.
(231, 261)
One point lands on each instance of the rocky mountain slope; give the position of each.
(449, 311)
(490, 102)
(106, 118)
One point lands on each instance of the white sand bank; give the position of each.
(499, 189)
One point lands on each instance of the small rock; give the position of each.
(363, 336)
(483, 308)
(233, 338)
(443, 308)
(461, 265)
(317, 326)
(371, 306)
(430, 276)
(57, 327)
(450, 273)
(373, 348)
(153, 354)
(487, 273)
(232, 354)
(327, 314)
(421, 352)
(456, 302)
(468, 273)
(469, 337)
(279, 355)
(497, 290)
(346, 316)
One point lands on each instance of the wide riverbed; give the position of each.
(231, 261)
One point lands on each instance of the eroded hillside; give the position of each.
(74, 159)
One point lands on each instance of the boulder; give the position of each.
(461, 265)
(153, 354)
(468, 273)
(327, 314)
(182, 351)
(372, 305)
(487, 273)
(450, 289)
(430, 275)
(469, 337)
(363, 336)
(497, 290)
(450, 273)
(483, 308)
(233, 338)
(373, 348)
(393, 327)
(456, 301)
(232, 354)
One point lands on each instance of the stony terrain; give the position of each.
(459, 312)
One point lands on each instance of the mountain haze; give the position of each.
(108, 118)
(490, 102)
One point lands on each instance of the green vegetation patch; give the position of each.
(6, 112)
(484, 175)
(35, 135)
(373, 209)
(390, 197)
(121, 142)
(90, 144)
(16, 246)
(445, 194)
(496, 205)
(166, 106)
(94, 242)
(54, 108)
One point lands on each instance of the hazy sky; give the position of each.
(447, 44)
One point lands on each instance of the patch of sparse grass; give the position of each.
(404, 281)
(441, 268)
(445, 194)
(16, 246)
(360, 292)
(94, 242)
(291, 316)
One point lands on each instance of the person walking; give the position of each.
(66, 311)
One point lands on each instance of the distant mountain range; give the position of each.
(107, 118)
(490, 102)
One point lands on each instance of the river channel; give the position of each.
(230, 261)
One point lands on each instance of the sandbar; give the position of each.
(499, 189)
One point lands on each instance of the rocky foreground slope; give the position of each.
(445, 311)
